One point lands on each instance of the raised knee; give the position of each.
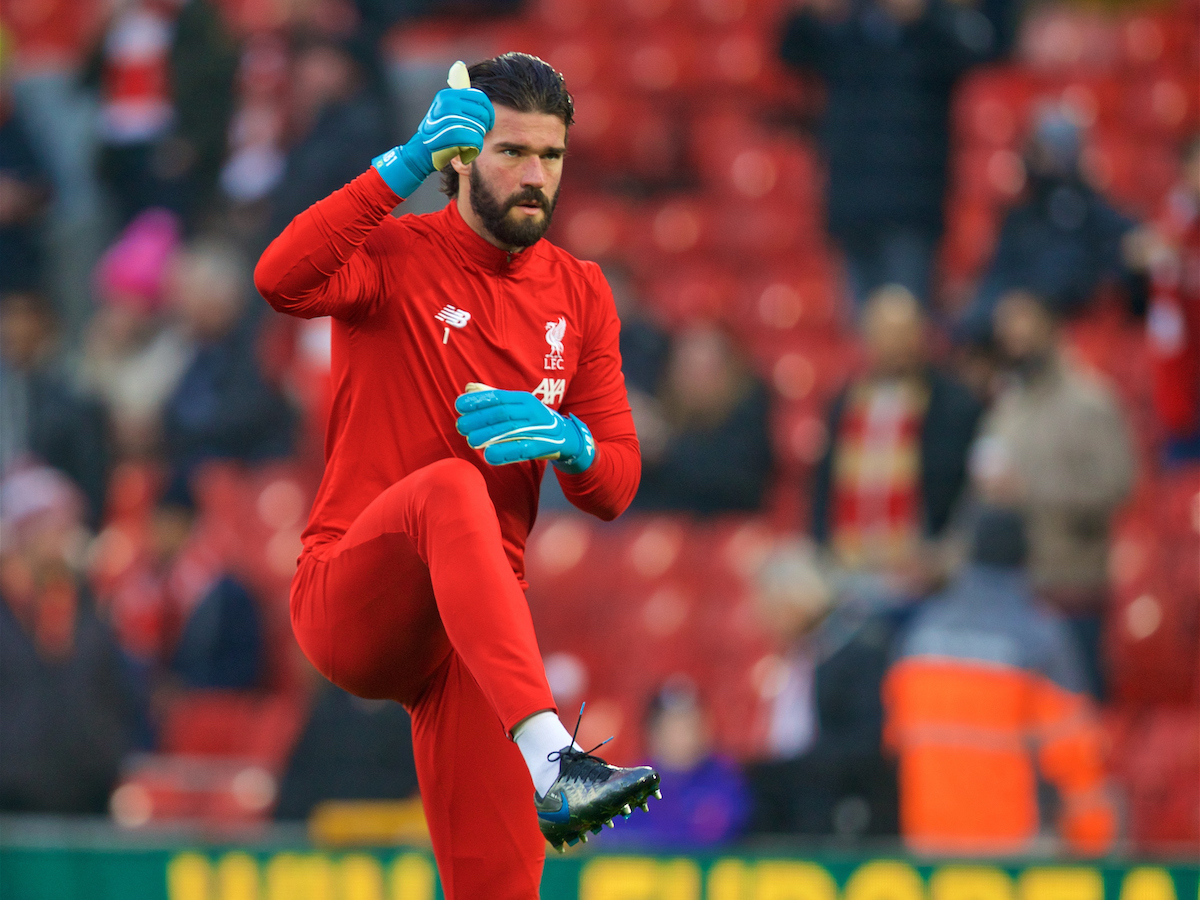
(453, 478)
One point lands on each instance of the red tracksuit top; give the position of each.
(421, 305)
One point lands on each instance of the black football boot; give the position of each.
(589, 793)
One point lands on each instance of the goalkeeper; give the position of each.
(410, 584)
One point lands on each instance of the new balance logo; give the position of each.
(551, 390)
(452, 315)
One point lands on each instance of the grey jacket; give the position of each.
(1065, 437)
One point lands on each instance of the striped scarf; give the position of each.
(876, 475)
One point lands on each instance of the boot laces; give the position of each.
(589, 767)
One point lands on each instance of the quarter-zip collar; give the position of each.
(481, 253)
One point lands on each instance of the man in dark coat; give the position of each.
(24, 190)
(68, 708)
(1061, 241)
(223, 406)
(823, 771)
(338, 115)
(42, 417)
(709, 412)
(889, 67)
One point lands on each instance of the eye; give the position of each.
(510, 153)
(553, 154)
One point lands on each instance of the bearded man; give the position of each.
(410, 585)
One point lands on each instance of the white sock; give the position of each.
(537, 737)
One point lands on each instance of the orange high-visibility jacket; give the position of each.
(986, 690)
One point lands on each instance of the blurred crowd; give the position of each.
(938, 592)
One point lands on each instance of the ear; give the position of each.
(463, 169)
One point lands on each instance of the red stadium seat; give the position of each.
(1093, 99)
(1144, 41)
(653, 144)
(220, 793)
(1160, 39)
(583, 59)
(692, 292)
(673, 230)
(971, 229)
(222, 753)
(1063, 39)
(990, 107)
(1154, 620)
(1162, 103)
(1158, 763)
(228, 723)
(1135, 173)
(592, 227)
(743, 64)
(804, 368)
(988, 176)
(770, 231)
(646, 13)
(803, 296)
(572, 17)
(596, 134)
(624, 139)
(658, 61)
(1178, 503)
(760, 167)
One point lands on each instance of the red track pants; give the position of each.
(417, 603)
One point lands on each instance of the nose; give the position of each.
(533, 173)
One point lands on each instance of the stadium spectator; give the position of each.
(42, 417)
(1063, 240)
(222, 407)
(1056, 446)
(45, 42)
(896, 464)
(256, 158)
(183, 619)
(644, 342)
(204, 60)
(220, 639)
(336, 119)
(824, 772)
(709, 804)
(24, 190)
(1173, 321)
(68, 709)
(349, 749)
(704, 435)
(133, 354)
(165, 76)
(130, 71)
(889, 67)
(985, 683)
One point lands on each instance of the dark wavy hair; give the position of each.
(521, 82)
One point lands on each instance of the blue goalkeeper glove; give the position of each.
(455, 125)
(515, 426)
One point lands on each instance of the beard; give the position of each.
(494, 214)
